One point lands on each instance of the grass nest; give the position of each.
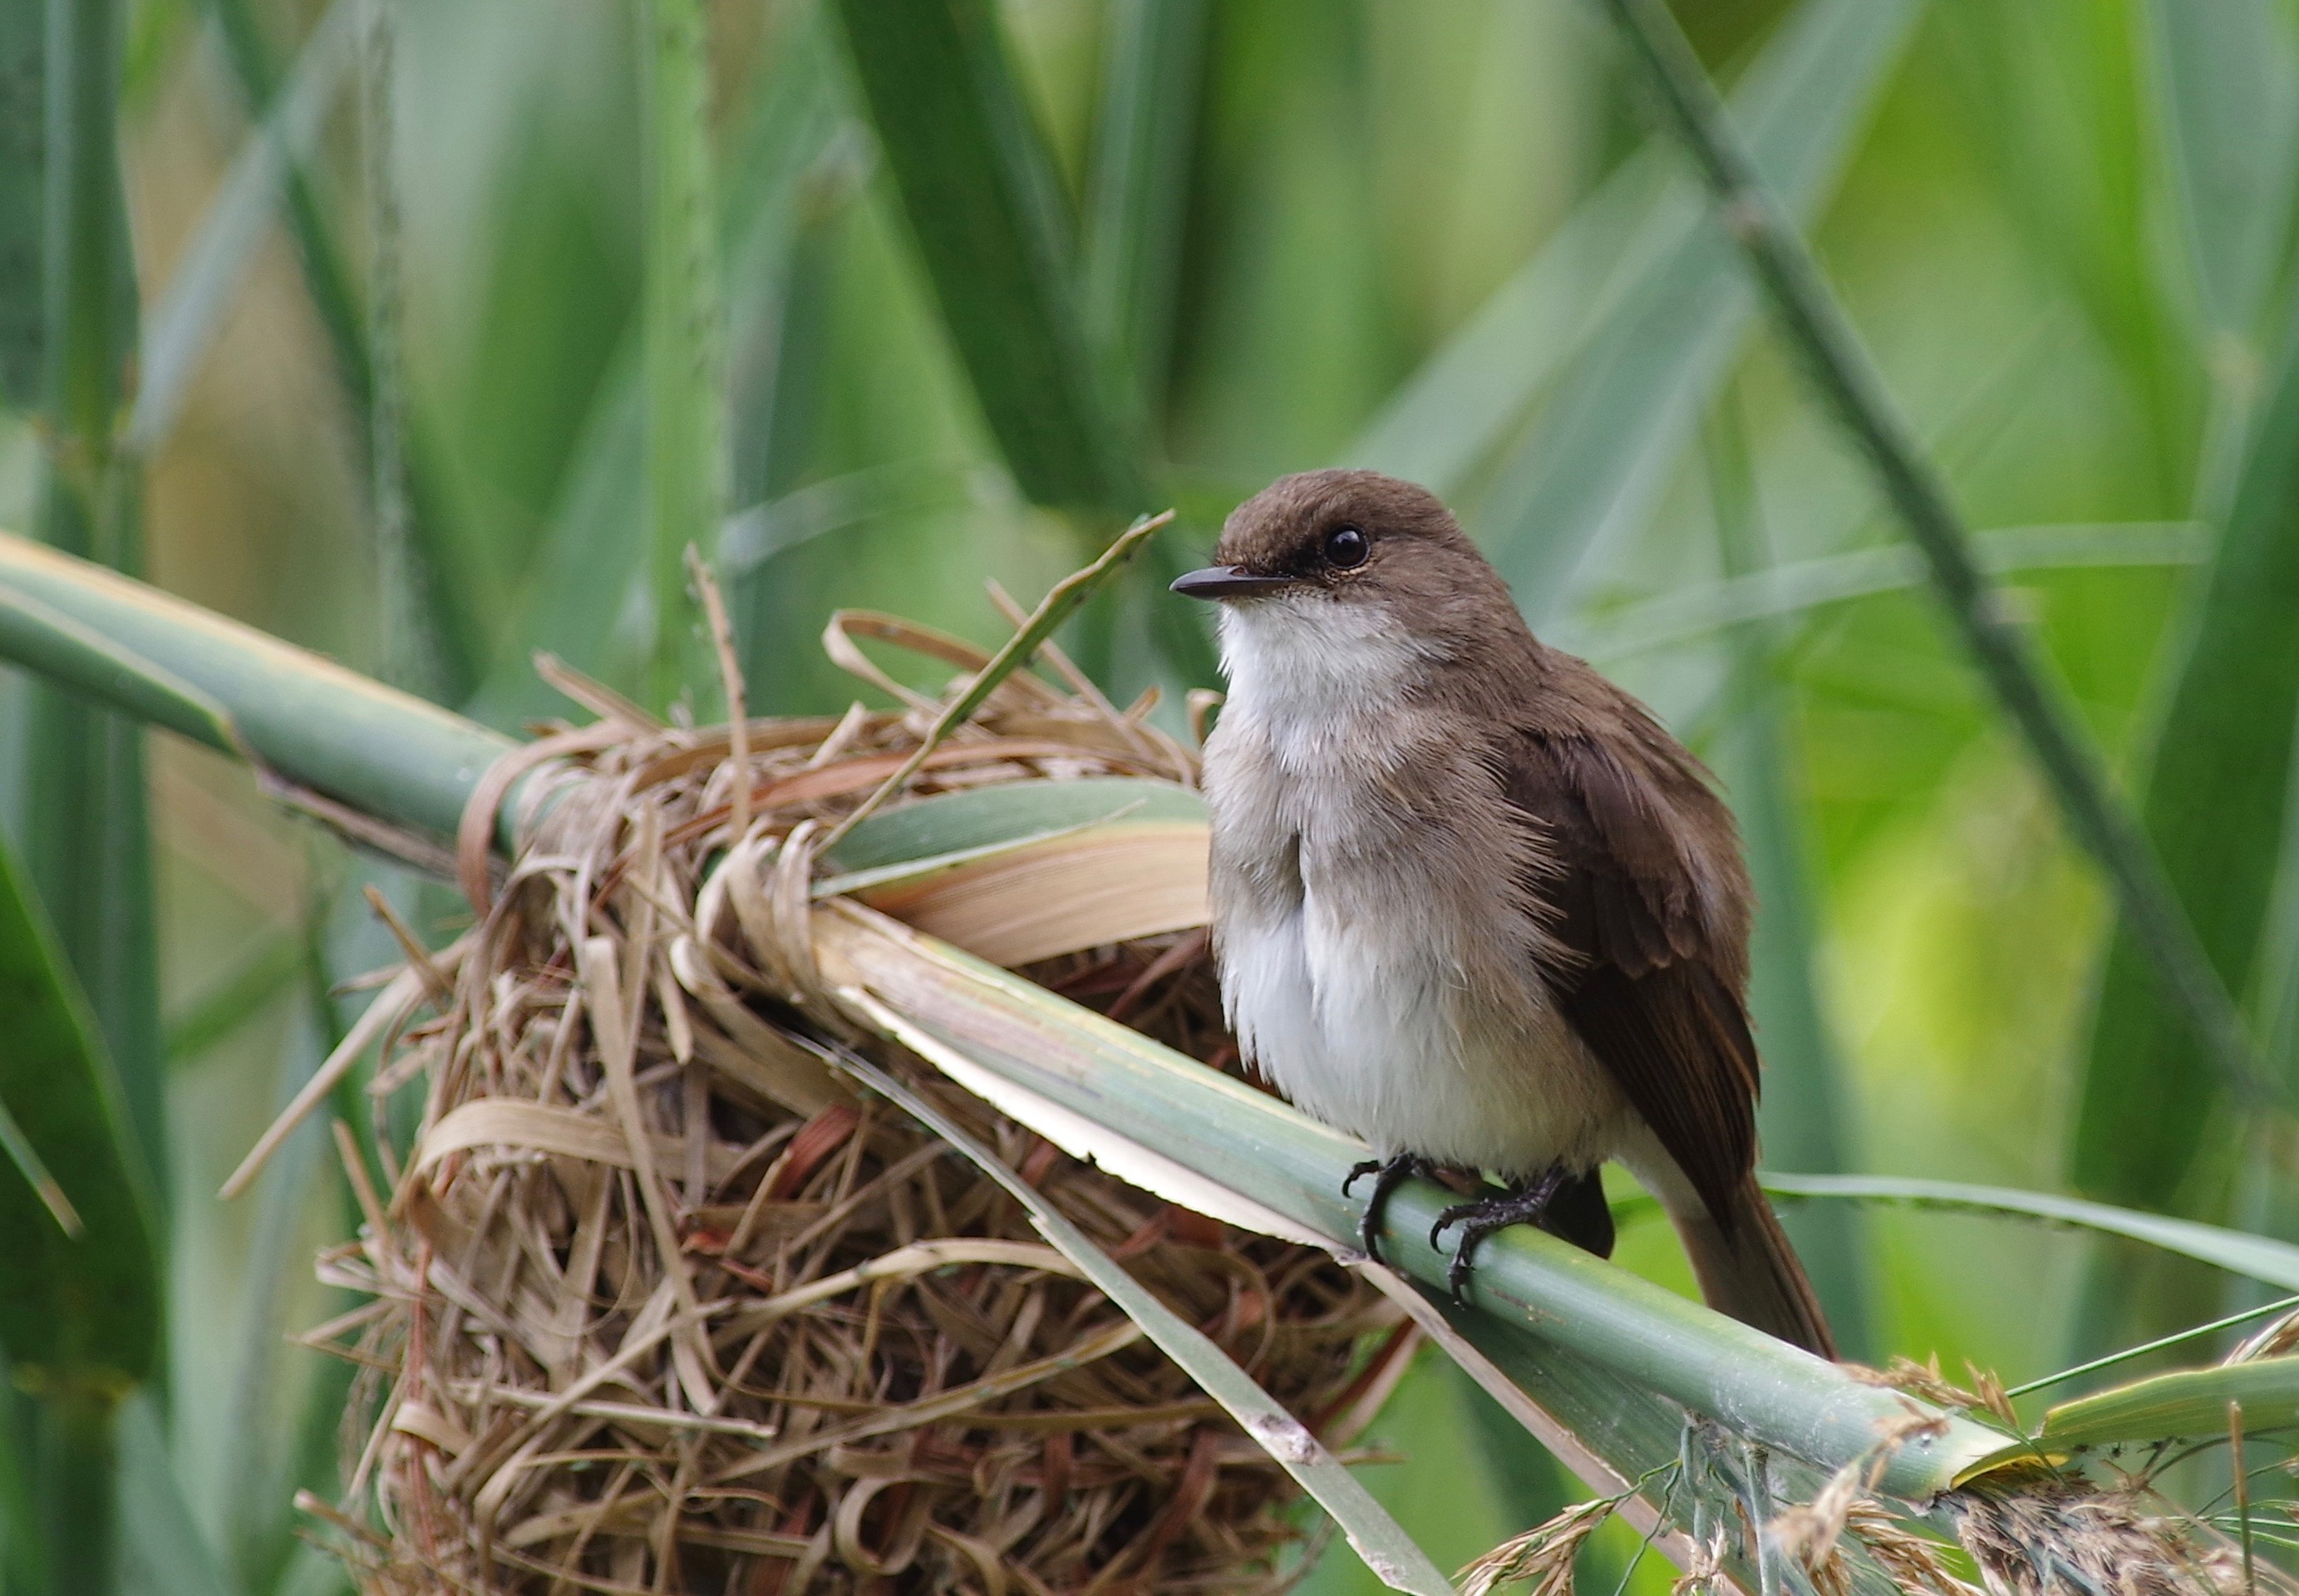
(658, 1303)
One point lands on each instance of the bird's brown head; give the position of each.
(1358, 544)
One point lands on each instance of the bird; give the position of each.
(1470, 901)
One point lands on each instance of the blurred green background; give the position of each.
(426, 334)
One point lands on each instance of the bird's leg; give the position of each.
(1386, 1174)
(1527, 1202)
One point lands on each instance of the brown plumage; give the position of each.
(1472, 901)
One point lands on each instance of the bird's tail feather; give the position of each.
(1748, 1269)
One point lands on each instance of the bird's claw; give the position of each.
(1525, 1204)
(1387, 1173)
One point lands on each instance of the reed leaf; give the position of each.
(2214, 810)
(2226, 83)
(1596, 461)
(1211, 1128)
(79, 1309)
(1137, 197)
(301, 715)
(997, 241)
(87, 847)
(1700, 611)
(80, 1313)
(954, 823)
(162, 1550)
(2188, 1403)
(2238, 1251)
(574, 598)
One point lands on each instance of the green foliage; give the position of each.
(995, 233)
(2190, 1404)
(75, 1309)
(2215, 808)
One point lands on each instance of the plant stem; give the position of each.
(2175, 1339)
(684, 399)
(86, 838)
(1835, 361)
(386, 753)
(458, 641)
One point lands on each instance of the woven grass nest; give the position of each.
(658, 1302)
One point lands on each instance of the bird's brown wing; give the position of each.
(1644, 979)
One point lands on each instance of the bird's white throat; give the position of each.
(1309, 671)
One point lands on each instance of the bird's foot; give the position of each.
(1526, 1203)
(1387, 1173)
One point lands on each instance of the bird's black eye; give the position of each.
(1347, 546)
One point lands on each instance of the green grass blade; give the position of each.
(75, 1485)
(686, 396)
(1372, 1535)
(2214, 810)
(2275, 1306)
(2227, 88)
(1138, 195)
(1061, 601)
(262, 1435)
(61, 646)
(22, 1557)
(1698, 611)
(190, 313)
(995, 238)
(85, 833)
(23, 141)
(162, 1552)
(84, 1311)
(2239, 1253)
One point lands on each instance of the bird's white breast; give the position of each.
(1350, 967)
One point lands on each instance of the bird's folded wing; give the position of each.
(1647, 979)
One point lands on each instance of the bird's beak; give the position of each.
(1227, 581)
